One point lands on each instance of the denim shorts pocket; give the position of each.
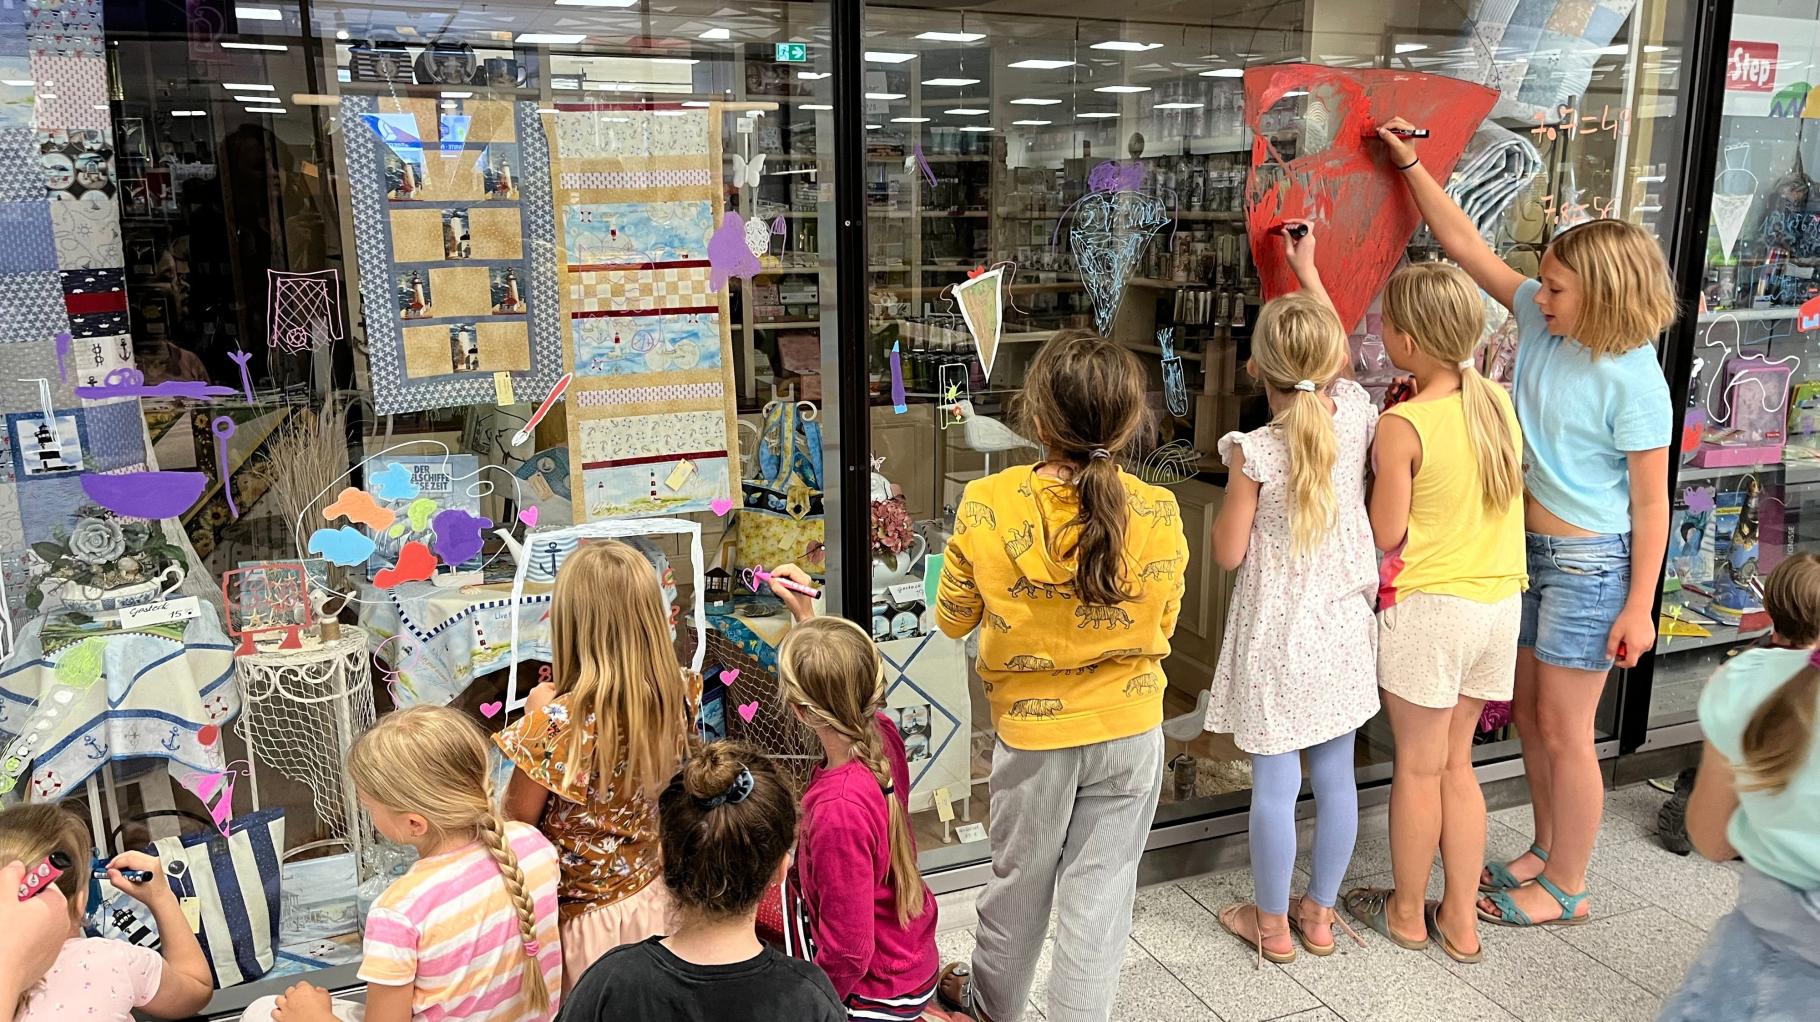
(1603, 559)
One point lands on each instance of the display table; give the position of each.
(81, 695)
(447, 637)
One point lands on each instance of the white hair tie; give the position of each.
(1305, 386)
(1466, 363)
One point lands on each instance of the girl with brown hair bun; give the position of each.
(1076, 570)
(727, 822)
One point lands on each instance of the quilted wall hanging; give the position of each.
(650, 411)
(454, 237)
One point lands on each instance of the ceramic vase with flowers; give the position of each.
(103, 563)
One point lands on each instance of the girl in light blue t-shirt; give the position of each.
(1596, 418)
(1758, 797)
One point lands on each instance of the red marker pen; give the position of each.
(43, 874)
(1296, 231)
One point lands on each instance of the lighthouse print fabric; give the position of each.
(651, 418)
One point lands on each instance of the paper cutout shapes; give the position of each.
(63, 354)
(523, 436)
(152, 495)
(898, 404)
(130, 382)
(223, 428)
(1175, 385)
(457, 534)
(1363, 212)
(344, 546)
(529, 516)
(728, 256)
(746, 172)
(491, 710)
(415, 564)
(305, 308)
(392, 483)
(1108, 233)
(358, 506)
(982, 305)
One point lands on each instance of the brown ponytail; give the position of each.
(725, 822)
(1084, 399)
(832, 672)
(1777, 739)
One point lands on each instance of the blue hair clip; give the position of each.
(735, 793)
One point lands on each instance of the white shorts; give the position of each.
(1433, 648)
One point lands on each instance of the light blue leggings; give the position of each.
(1275, 782)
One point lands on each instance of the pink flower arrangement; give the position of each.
(892, 532)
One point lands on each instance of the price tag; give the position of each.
(502, 389)
(971, 832)
(680, 474)
(181, 609)
(906, 592)
(944, 805)
(192, 912)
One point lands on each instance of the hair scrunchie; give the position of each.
(735, 793)
(1305, 386)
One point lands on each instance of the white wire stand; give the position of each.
(301, 710)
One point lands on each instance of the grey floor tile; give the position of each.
(1147, 990)
(1577, 986)
(1636, 802)
(954, 945)
(1689, 888)
(1217, 890)
(1184, 936)
(1385, 983)
(1649, 946)
(1322, 1014)
(1610, 898)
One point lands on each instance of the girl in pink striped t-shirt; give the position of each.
(470, 932)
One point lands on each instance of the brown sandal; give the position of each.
(1439, 936)
(954, 990)
(1295, 926)
(1229, 917)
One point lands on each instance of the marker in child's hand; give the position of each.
(43, 875)
(98, 870)
(1296, 231)
(1401, 132)
(760, 577)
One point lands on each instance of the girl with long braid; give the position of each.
(469, 933)
(871, 920)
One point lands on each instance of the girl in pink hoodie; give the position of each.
(871, 919)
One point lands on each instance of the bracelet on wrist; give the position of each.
(1406, 166)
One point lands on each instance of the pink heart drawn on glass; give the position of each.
(529, 516)
(491, 710)
(728, 677)
(720, 506)
(747, 711)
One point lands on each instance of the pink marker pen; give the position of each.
(760, 575)
(43, 874)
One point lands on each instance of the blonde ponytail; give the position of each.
(1777, 739)
(499, 847)
(1438, 307)
(1299, 349)
(829, 669)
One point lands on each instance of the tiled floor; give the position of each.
(1653, 910)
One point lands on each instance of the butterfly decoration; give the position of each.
(747, 171)
(758, 237)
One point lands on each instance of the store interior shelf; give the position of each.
(1722, 635)
(1751, 315)
(1791, 471)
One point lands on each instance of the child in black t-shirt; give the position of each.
(726, 824)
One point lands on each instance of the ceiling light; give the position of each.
(884, 96)
(976, 127)
(341, 33)
(551, 38)
(265, 109)
(813, 76)
(966, 111)
(18, 83)
(597, 3)
(447, 104)
(873, 127)
(255, 99)
(189, 113)
(951, 82)
(458, 95)
(259, 13)
(1128, 47)
(952, 37)
(274, 47)
(233, 87)
(1030, 124)
(816, 106)
(1224, 72)
(887, 57)
(1034, 101)
(695, 102)
(673, 60)
(1036, 64)
(1178, 106)
(716, 33)
(909, 120)
(1411, 47)
(1123, 88)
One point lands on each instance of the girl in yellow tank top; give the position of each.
(1447, 511)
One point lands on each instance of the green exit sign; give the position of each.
(792, 53)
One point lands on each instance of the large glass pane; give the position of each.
(1746, 484)
(985, 131)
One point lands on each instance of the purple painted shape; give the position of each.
(922, 163)
(151, 495)
(897, 381)
(728, 256)
(457, 535)
(130, 382)
(1699, 498)
(1116, 177)
(246, 378)
(63, 355)
(223, 428)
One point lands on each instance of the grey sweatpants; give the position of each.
(1067, 828)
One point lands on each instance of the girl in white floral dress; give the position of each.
(1298, 669)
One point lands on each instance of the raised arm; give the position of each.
(1449, 223)
(1299, 253)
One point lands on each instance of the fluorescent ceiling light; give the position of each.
(1030, 124)
(274, 47)
(873, 127)
(887, 57)
(695, 102)
(1123, 88)
(976, 127)
(816, 106)
(1034, 101)
(966, 111)
(189, 113)
(1411, 47)
(909, 120)
(952, 37)
(449, 104)
(265, 109)
(951, 82)
(597, 3)
(1036, 64)
(341, 33)
(1224, 72)
(458, 95)
(673, 60)
(885, 96)
(1178, 106)
(1101, 113)
(549, 38)
(255, 99)
(716, 33)
(1128, 47)
(232, 87)
(813, 76)
(259, 13)
(18, 83)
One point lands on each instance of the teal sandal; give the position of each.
(1510, 915)
(1371, 906)
(1501, 878)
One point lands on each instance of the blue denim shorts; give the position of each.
(1577, 586)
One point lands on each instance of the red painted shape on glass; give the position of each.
(1363, 215)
